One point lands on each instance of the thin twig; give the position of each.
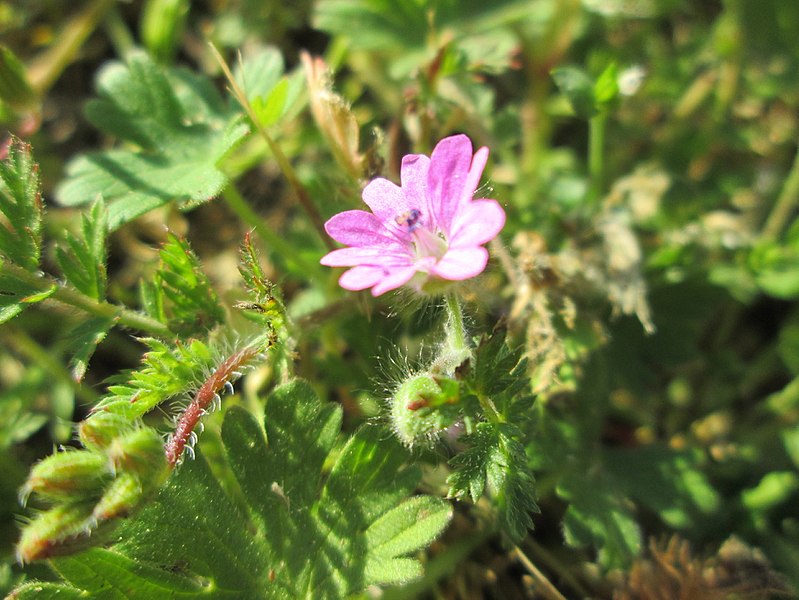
(285, 166)
(544, 584)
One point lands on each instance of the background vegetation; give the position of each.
(645, 152)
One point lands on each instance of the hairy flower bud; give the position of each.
(423, 406)
(70, 475)
(139, 451)
(101, 428)
(121, 498)
(61, 529)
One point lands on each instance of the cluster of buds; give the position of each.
(90, 489)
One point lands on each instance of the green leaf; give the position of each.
(15, 88)
(180, 294)
(578, 88)
(179, 130)
(16, 295)
(598, 516)
(299, 536)
(82, 259)
(496, 459)
(21, 207)
(664, 480)
(82, 341)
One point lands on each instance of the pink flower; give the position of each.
(430, 228)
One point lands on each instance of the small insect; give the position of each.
(409, 219)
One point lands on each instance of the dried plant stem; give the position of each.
(285, 166)
(545, 586)
(65, 295)
(204, 397)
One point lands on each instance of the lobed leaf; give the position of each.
(82, 258)
(194, 541)
(496, 460)
(21, 207)
(180, 294)
(179, 130)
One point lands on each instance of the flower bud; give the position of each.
(70, 475)
(423, 406)
(61, 529)
(101, 428)
(139, 451)
(120, 499)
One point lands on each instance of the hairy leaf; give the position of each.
(495, 459)
(300, 535)
(82, 259)
(179, 130)
(21, 207)
(180, 295)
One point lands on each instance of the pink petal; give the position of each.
(350, 257)
(359, 228)
(413, 174)
(461, 263)
(477, 222)
(475, 172)
(360, 278)
(395, 279)
(386, 199)
(449, 172)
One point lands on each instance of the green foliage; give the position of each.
(588, 97)
(495, 459)
(21, 207)
(598, 516)
(180, 294)
(178, 130)
(357, 522)
(82, 259)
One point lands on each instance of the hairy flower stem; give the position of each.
(71, 297)
(455, 332)
(457, 351)
(227, 371)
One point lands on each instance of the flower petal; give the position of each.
(359, 228)
(386, 199)
(449, 171)
(351, 257)
(396, 278)
(475, 173)
(476, 223)
(360, 278)
(413, 175)
(461, 263)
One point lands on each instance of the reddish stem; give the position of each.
(202, 399)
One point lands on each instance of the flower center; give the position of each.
(426, 243)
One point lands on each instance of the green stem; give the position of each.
(459, 351)
(785, 205)
(289, 173)
(72, 297)
(284, 250)
(455, 331)
(596, 156)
